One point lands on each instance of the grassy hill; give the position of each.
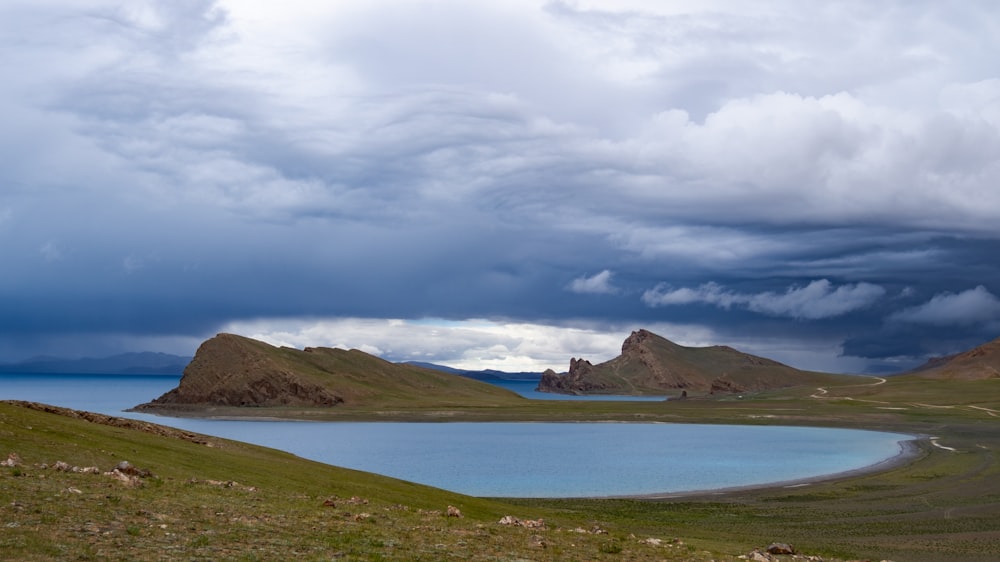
(205, 498)
(982, 362)
(651, 364)
(230, 371)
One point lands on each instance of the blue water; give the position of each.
(527, 389)
(509, 459)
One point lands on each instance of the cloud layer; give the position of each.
(816, 300)
(821, 174)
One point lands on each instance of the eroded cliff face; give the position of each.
(577, 380)
(229, 370)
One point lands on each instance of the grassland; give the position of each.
(945, 505)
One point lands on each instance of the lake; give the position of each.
(509, 459)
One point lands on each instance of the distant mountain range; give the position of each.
(485, 375)
(142, 363)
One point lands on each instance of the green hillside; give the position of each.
(230, 371)
(651, 364)
(979, 363)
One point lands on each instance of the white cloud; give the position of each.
(973, 306)
(711, 293)
(818, 299)
(482, 344)
(465, 344)
(598, 284)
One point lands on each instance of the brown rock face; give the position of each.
(579, 380)
(233, 371)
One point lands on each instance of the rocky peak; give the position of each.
(579, 367)
(635, 340)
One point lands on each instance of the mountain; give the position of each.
(978, 363)
(651, 364)
(142, 363)
(235, 371)
(485, 375)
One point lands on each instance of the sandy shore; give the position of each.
(908, 452)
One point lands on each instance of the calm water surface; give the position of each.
(509, 459)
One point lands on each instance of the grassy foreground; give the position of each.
(209, 498)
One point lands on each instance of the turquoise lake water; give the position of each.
(509, 459)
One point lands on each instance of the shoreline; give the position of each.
(908, 453)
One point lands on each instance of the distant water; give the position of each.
(509, 459)
(527, 389)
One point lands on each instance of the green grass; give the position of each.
(223, 500)
(943, 506)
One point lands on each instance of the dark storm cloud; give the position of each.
(176, 168)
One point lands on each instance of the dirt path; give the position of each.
(988, 411)
(821, 392)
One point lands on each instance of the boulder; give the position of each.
(13, 459)
(780, 548)
(510, 520)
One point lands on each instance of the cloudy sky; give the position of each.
(501, 184)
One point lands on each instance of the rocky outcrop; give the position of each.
(577, 380)
(724, 385)
(114, 421)
(651, 364)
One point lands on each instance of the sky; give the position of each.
(501, 185)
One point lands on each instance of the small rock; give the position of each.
(13, 459)
(126, 467)
(758, 556)
(510, 520)
(780, 548)
(534, 524)
(128, 480)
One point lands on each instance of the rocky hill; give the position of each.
(978, 363)
(651, 364)
(234, 371)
